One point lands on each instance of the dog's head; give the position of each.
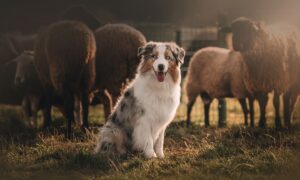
(161, 59)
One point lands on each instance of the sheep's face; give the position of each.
(160, 59)
(25, 71)
(244, 33)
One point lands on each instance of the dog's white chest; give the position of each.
(159, 106)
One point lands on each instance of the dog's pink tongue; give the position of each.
(160, 76)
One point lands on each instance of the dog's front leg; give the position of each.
(159, 144)
(143, 139)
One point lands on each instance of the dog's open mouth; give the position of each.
(160, 76)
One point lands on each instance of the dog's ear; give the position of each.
(141, 51)
(178, 53)
(146, 50)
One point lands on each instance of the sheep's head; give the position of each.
(25, 71)
(244, 33)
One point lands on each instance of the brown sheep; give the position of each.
(216, 73)
(32, 89)
(11, 45)
(271, 54)
(116, 60)
(26, 79)
(69, 48)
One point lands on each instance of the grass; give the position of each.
(234, 152)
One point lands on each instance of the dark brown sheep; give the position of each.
(116, 60)
(27, 80)
(217, 73)
(11, 45)
(33, 92)
(271, 54)
(69, 48)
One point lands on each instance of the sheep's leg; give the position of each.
(222, 112)
(47, 115)
(34, 105)
(206, 113)
(78, 111)
(287, 109)
(85, 110)
(245, 110)
(262, 100)
(251, 110)
(47, 108)
(108, 104)
(293, 101)
(27, 110)
(190, 105)
(276, 104)
(69, 110)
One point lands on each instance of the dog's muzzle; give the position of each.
(160, 76)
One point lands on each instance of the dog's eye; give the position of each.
(168, 57)
(153, 56)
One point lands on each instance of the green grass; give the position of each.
(234, 152)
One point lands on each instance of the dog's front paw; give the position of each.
(160, 154)
(150, 154)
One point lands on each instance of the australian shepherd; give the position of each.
(148, 105)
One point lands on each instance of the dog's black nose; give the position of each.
(161, 67)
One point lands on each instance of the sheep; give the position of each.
(116, 60)
(30, 101)
(216, 73)
(10, 47)
(65, 63)
(26, 79)
(271, 55)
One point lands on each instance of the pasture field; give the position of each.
(234, 152)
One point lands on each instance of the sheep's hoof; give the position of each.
(287, 129)
(222, 125)
(187, 124)
(278, 127)
(262, 125)
(85, 129)
(46, 126)
(69, 136)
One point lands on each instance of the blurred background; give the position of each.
(27, 16)
(193, 24)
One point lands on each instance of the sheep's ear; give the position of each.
(258, 26)
(178, 53)
(11, 46)
(15, 60)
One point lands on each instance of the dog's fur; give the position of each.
(148, 105)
